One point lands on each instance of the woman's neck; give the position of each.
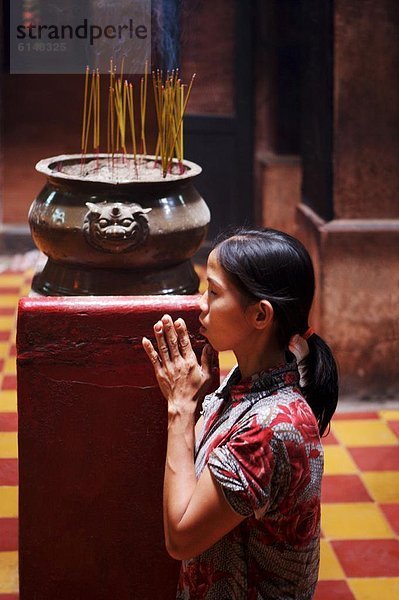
(251, 361)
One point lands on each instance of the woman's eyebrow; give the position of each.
(214, 282)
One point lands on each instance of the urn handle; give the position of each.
(115, 226)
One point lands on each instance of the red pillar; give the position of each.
(92, 438)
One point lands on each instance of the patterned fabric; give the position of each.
(261, 442)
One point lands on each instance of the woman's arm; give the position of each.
(196, 514)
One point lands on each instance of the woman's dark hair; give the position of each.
(272, 265)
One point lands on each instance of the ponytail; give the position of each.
(321, 381)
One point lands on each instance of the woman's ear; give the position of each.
(262, 314)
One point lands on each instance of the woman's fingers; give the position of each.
(171, 337)
(161, 342)
(151, 353)
(184, 339)
(206, 360)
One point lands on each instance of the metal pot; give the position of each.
(105, 238)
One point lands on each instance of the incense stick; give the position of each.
(84, 124)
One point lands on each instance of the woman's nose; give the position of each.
(203, 304)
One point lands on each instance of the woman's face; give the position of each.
(224, 318)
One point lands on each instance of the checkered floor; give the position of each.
(360, 511)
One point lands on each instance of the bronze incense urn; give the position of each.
(117, 229)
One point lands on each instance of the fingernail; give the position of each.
(158, 327)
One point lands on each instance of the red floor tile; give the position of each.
(329, 439)
(364, 415)
(13, 350)
(394, 425)
(8, 422)
(8, 471)
(8, 535)
(343, 488)
(1, 364)
(377, 458)
(331, 590)
(9, 596)
(368, 558)
(391, 512)
(5, 335)
(9, 382)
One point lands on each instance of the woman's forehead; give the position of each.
(213, 265)
(216, 272)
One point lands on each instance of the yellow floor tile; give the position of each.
(364, 433)
(4, 349)
(8, 401)
(330, 567)
(227, 360)
(12, 280)
(8, 444)
(389, 415)
(6, 323)
(9, 572)
(381, 588)
(10, 367)
(338, 461)
(382, 485)
(9, 300)
(354, 521)
(8, 502)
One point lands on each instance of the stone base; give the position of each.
(357, 298)
(58, 279)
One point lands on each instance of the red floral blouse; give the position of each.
(261, 442)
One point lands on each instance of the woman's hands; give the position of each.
(181, 379)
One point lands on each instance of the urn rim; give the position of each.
(46, 166)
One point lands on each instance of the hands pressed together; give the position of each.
(181, 379)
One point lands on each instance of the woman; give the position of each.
(242, 486)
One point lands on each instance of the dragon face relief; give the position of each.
(115, 227)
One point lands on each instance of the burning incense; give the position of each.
(170, 104)
(96, 111)
(171, 97)
(143, 106)
(130, 103)
(87, 130)
(84, 124)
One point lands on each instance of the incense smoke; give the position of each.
(166, 32)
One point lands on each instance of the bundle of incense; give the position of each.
(91, 106)
(171, 98)
(171, 101)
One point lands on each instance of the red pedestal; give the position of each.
(92, 438)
